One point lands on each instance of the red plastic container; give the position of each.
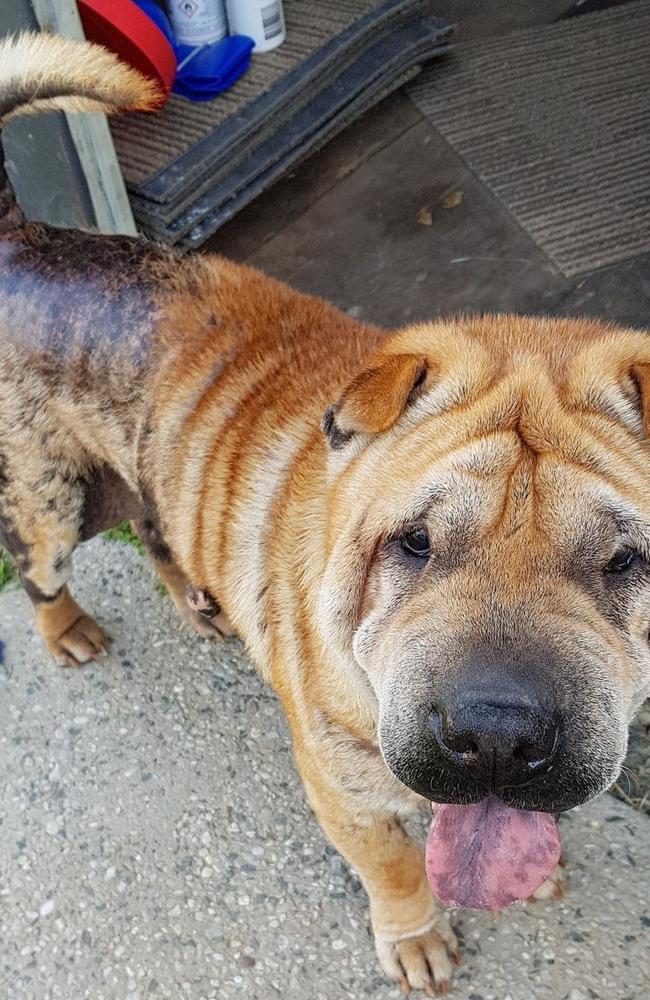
(124, 29)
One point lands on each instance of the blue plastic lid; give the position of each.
(159, 18)
(207, 70)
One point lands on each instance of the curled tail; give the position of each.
(40, 72)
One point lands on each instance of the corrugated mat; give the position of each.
(556, 121)
(190, 167)
(218, 217)
(378, 71)
(164, 155)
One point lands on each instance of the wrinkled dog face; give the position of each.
(490, 577)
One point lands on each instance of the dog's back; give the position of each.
(76, 318)
(70, 324)
(71, 300)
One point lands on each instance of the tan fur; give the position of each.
(88, 76)
(506, 435)
(70, 635)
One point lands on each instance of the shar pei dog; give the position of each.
(435, 544)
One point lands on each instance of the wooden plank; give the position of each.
(90, 135)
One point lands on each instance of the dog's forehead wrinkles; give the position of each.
(521, 415)
(492, 489)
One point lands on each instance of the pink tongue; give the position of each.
(487, 856)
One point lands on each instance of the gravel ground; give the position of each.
(155, 843)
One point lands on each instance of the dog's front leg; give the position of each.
(414, 940)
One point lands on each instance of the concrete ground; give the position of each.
(155, 843)
(344, 225)
(154, 839)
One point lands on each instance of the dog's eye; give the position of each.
(415, 542)
(621, 561)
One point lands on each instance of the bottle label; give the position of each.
(272, 20)
(198, 22)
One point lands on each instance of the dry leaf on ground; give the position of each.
(452, 199)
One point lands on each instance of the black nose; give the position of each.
(497, 745)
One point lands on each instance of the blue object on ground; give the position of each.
(205, 70)
(2, 651)
(209, 69)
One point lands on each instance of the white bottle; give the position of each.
(198, 22)
(261, 20)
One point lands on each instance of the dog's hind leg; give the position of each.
(41, 508)
(208, 621)
(71, 636)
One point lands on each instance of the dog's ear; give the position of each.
(375, 399)
(612, 376)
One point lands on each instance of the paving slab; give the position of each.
(620, 293)
(409, 235)
(155, 843)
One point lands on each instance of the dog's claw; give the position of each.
(423, 962)
(202, 602)
(81, 643)
(553, 888)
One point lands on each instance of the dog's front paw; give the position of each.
(553, 888)
(422, 961)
